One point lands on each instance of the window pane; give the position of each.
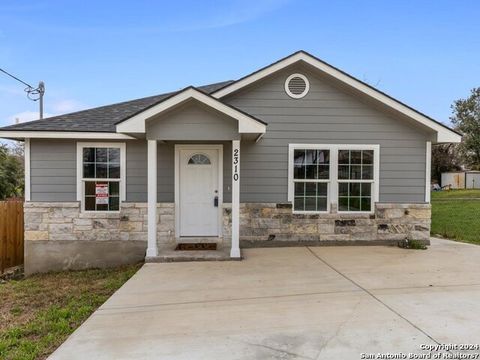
(323, 171)
(322, 204)
(114, 203)
(366, 204)
(88, 154)
(102, 207)
(343, 189)
(311, 189)
(311, 172)
(343, 156)
(90, 203)
(343, 172)
(367, 172)
(90, 188)
(101, 155)
(114, 155)
(310, 204)
(343, 203)
(299, 172)
(354, 204)
(114, 171)
(299, 189)
(311, 157)
(366, 189)
(101, 171)
(299, 204)
(323, 156)
(113, 188)
(322, 189)
(355, 157)
(355, 172)
(299, 157)
(354, 189)
(367, 156)
(89, 171)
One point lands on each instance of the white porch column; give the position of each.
(152, 198)
(235, 251)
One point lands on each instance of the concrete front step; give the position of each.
(168, 254)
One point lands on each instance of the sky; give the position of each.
(93, 53)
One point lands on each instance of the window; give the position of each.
(355, 180)
(311, 174)
(100, 172)
(199, 159)
(346, 175)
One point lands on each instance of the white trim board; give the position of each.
(123, 169)
(246, 123)
(27, 167)
(18, 134)
(443, 134)
(333, 179)
(179, 147)
(428, 170)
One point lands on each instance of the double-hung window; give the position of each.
(101, 176)
(311, 175)
(344, 175)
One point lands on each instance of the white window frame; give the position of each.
(333, 181)
(81, 180)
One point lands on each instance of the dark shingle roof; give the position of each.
(100, 119)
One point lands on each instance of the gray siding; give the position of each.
(190, 122)
(326, 115)
(53, 170)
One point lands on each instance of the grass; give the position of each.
(456, 214)
(38, 313)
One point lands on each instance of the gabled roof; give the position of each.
(136, 123)
(444, 133)
(100, 119)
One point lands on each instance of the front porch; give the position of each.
(198, 128)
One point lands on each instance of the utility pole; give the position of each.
(41, 91)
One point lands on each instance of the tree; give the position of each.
(466, 118)
(11, 173)
(444, 158)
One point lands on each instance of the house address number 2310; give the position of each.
(236, 154)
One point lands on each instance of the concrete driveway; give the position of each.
(290, 303)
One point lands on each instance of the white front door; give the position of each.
(198, 188)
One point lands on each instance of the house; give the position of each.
(298, 152)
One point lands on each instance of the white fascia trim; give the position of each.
(443, 134)
(63, 135)
(123, 168)
(333, 181)
(136, 124)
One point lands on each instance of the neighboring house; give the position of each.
(298, 152)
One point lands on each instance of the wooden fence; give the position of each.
(11, 234)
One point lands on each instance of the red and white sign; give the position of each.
(101, 194)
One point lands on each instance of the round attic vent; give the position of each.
(297, 86)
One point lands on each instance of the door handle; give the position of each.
(215, 201)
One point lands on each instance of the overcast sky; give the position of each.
(91, 53)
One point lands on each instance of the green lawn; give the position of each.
(38, 313)
(456, 215)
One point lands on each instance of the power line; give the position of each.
(32, 93)
(16, 78)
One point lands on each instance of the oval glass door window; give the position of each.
(199, 159)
